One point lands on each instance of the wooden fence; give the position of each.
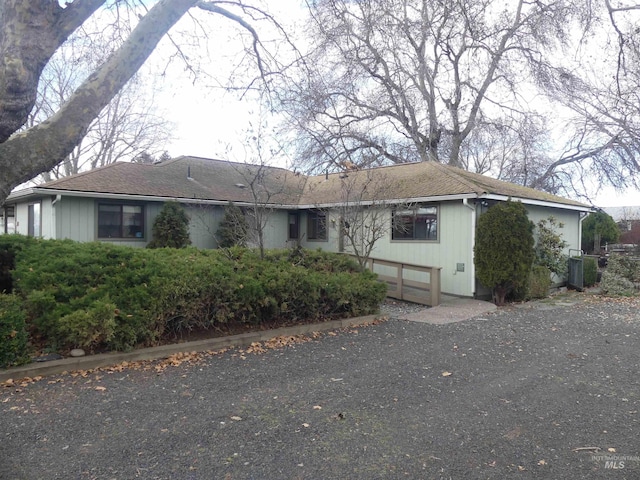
(403, 288)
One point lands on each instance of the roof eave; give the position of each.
(541, 203)
(128, 196)
(393, 201)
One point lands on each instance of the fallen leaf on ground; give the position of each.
(236, 418)
(542, 462)
(446, 374)
(101, 389)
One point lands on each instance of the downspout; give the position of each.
(54, 220)
(472, 267)
(583, 215)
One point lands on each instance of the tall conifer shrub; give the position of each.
(504, 250)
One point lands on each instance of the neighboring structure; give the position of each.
(430, 209)
(628, 220)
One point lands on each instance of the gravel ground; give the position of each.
(540, 391)
(399, 309)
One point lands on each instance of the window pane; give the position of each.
(33, 219)
(403, 227)
(317, 226)
(418, 224)
(120, 221)
(132, 221)
(293, 226)
(10, 219)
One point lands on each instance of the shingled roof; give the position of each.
(188, 178)
(218, 180)
(421, 180)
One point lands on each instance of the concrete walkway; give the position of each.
(451, 310)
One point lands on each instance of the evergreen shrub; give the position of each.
(504, 250)
(539, 282)
(170, 227)
(13, 332)
(233, 229)
(106, 296)
(590, 271)
(621, 276)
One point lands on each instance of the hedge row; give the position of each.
(99, 295)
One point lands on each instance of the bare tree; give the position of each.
(401, 79)
(31, 33)
(597, 89)
(364, 211)
(268, 186)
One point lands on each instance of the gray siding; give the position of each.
(47, 227)
(75, 219)
(454, 245)
(47, 218)
(276, 232)
(570, 232)
(204, 221)
(21, 218)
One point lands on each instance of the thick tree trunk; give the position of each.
(40, 148)
(500, 294)
(30, 32)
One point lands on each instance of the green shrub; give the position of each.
(504, 249)
(620, 275)
(598, 228)
(550, 246)
(234, 228)
(590, 271)
(88, 328)
(105, 296)
(539, 282)
(171, 227)
(13, 332)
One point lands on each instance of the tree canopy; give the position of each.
(540, 93)
(598, 227)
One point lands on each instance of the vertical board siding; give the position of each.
(47, 218)
(571, 220)
(453, 246)
(276, 232)
(75, 219)
(22, 218)
(204, 221)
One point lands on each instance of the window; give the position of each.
(33, 220)
(419, 223)
(10, 219)
(316, 225)
(120, 221)
(294, 226)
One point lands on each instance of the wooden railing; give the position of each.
(402, 288)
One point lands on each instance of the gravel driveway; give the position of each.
(542, 391)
